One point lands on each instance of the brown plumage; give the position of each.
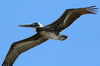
(21, 46)
(68, 17)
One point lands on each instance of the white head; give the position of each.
(40, 25)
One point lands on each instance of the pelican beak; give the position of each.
(30, 25)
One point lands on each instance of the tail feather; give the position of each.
(63, 37)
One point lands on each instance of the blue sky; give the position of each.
(82, 48)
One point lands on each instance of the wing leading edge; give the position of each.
(21, 46)
(69, 16)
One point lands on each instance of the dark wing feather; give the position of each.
(69, 16)
(21, 46)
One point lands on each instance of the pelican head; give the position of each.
(33, 25)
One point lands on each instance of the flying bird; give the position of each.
(44, 33)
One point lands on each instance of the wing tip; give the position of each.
(6, 64)
(92, 9)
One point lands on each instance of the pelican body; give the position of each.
(48, 33)
(44, 33)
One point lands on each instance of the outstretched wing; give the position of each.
(69, 16)
(21, 46)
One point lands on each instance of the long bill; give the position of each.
(26, 25)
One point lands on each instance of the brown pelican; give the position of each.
(44, 33)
